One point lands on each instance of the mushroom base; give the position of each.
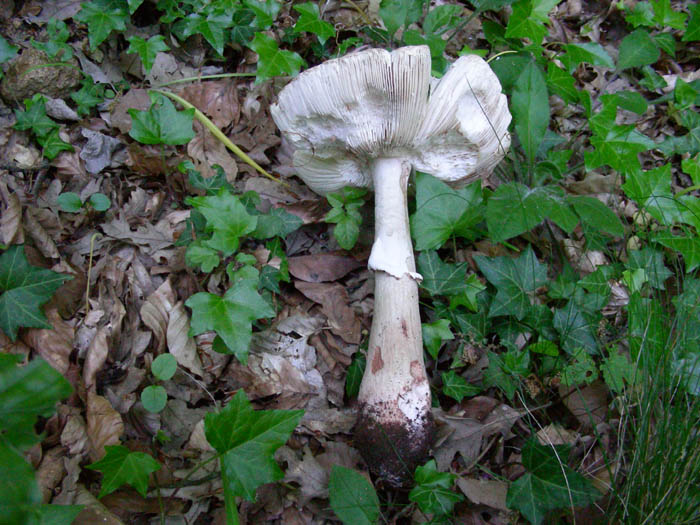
(393, 447)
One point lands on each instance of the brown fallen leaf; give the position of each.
(11, 230)
(588, 404)
(42, 240)
(322, 267)
(149, 237)
(311, 476)
(155, 312)
(96, 356)
(50, 472)
(216, 99)
(55, 344)
(104, 425)
(490, 492)
(206, 150)
(180, 343)
(334, 300)
(132, 99)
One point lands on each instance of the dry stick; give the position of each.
(204, 77)
(87, 288)
(201, 117)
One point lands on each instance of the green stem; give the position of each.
(205, 77)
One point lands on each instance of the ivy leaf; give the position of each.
(120, 467)
(549, 483)
(561, 83)
(278, 222)
(242, 29)
(345, 214)
(433, 491)
(352, 497)
(434, 334)
(636, 50)
(581, 369)
(232, 315)
(687, 246)
(398, 13)
(247, 440)
(530, 107)
(58, 36)
(692, 33)
(642, 14)
(310, 21)
(35, 119)
(226, 217)
(497, 375)
(7, 50)
(355, 371)
(455, 386)
(596, 214)
(442, 212)
(652, 262)
(515, 280)
(202, 257)
(528, 19)
(101, 21)
(589, 52)
(265, 11)
(651, 189)
(27, 392)
(88, 96)
(24, 289)
(440, 278)
(272, 60)
(574, 330)
(664, 15)
(53, 144)
(162, 124)
(618, 371)
(147, 49)
(212, 27)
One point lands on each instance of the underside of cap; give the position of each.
(344, 113)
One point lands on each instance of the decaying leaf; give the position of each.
(11, 218)
(180, 343)
(218, 100)
(104, 425)
(54, 345)
(96, 356)
(334, 300)
(322, 267)
(206, 151)
(155, 312)
(490, 492)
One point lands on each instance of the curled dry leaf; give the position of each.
(50, 472)
(11, 218)
(180, 343)
(69, 165)
(311, 476)
(104, 425)
(334, 300)
(96, 357)
(132, 99)
(149, 237)
(323, 267)
(555, 434)
(589, 403)
(155, 312)
(206, 150)
(54, 345)
(218, 100)
(42, 240)
(94, 512)
(328, 421)
(74, 436)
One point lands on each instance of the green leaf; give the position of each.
(345, 214)
(666, 43)
(154, 398)
(120, 467)
(265, 11)
(515, 280)
(23, 290)
(530, 108)
(528, 19)
(162, 124)
(442, 212)
(242, 30)
(596, 214)
(310, 21)
(232, 315)
(35, 118)
(69, 202)
(355, 371)
(212, 27)
(590, 53)
(687, 246)
(352, 497)
(399, 13)
(455, 386)
(665, 16)
(560, 82)
(692, 32)
(247, 440)
(273, 61)
(440, 278)
(164, 366)
(100, 21)
(642, 14)
(497, 375)
(434, 334)
(53, 144)
(544, 347)
(433, 491)
(99, 201)
(652, 262)
(278, 222)
(652, 191)
(56, 46)
(27, 392)
(574, 330)
(227, 218)
(202, 257)
(88, 96)
(7, 50)
(18, 487)
(618, 371)
(147, 49)
(581, 369)
(441, 18)
(636, 50)
(549, 483)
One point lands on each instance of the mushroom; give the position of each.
(366, 120)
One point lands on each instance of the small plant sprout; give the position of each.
(366, 120)
(72, 203)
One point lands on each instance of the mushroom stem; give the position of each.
(395, 426)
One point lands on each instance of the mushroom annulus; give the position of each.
(367, 119)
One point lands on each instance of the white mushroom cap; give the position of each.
(344, 113)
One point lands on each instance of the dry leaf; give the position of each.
(180, 344)
(42, 240)
(589, 404)
(132, 99)
(55, 344)
(50, 472)
(334, 301)
(322, 267)
(206, 150)
(149, 237)
(485, 492)
(74, 436)
(218, 100)
(555, 434)
(96, 357)
(69, 165)
(11, 218)
(93, 513)
(155, 312)
(104, 425)
(311, 476)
